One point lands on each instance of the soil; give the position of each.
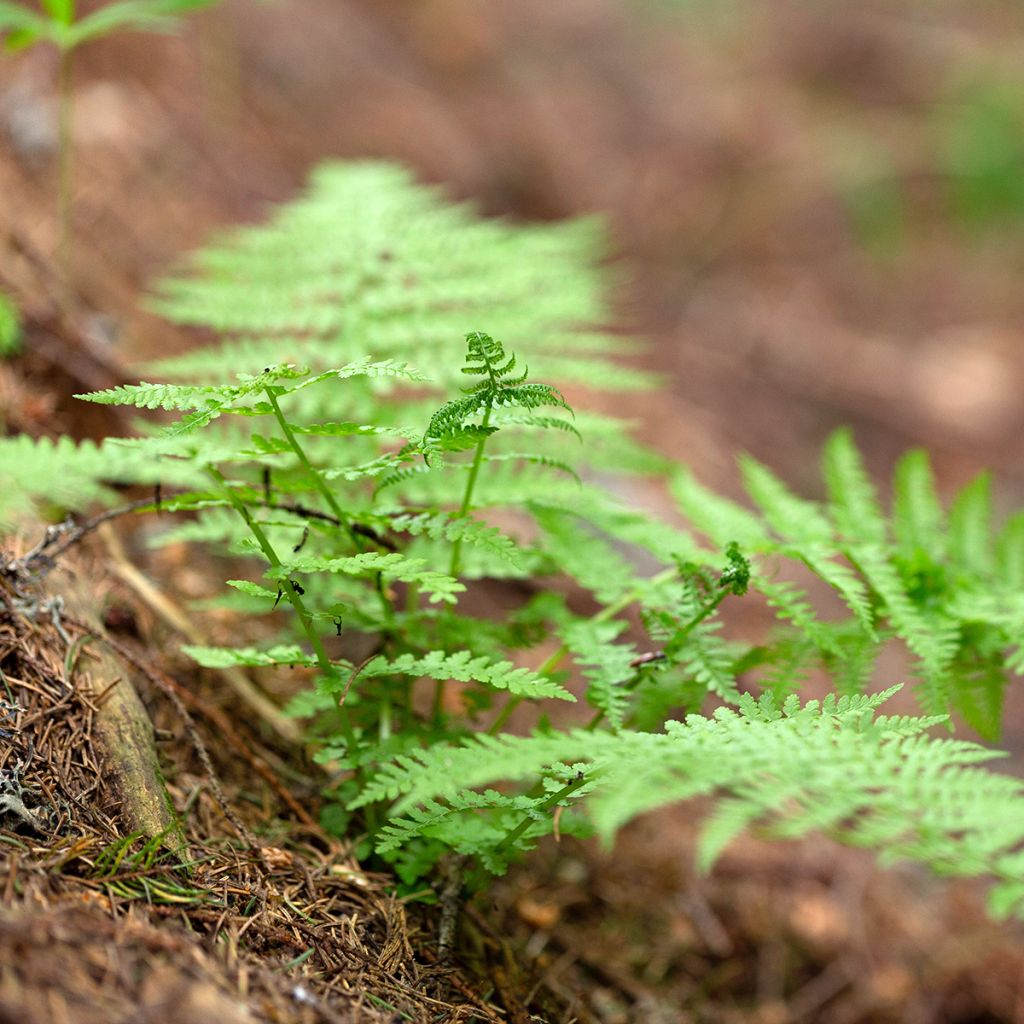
(721, 143)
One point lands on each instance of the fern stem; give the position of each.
(437, 705)
(634, 681)
(544, 805)
(314, 473)
(453, 567)
(503, 716)
(325, 491)
(467, 497)
(305, 619)
(706, 610)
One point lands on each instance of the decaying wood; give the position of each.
(122, 730)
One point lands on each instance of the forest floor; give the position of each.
(786, 291)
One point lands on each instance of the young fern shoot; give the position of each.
(500, 387)
(450, 429)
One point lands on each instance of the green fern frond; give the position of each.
(929, 634)
(464, 667)
(413, 270)
(162, 396)
(718, 518)
(248, 657)
(791, 604)
(220, 526)
(62, 473)
(499, 388)
(392, 565)
(917, 517)
(582, 554)
(607, 666)
(426, 819)
(625, 525)
(687, 633)
(970, 527)
(450, 527)
(535, 459)
(905, 576)
(349, 429)
(1010, 553)
(853, 501)
(445, 770)
(827, 767)
(338, 498)
(504, 419)
(843, 579)
(802, 522)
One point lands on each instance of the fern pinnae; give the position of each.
(462, 666)
(1010, 553)
(791, 603)
(391, 564)
(607, 666)
(583, 554)
(249, 657)
(160, 396)
(844, 580)
(718, 518)
(918, 520)
(452, 527)
(970, 527)
(793, 518)
(852, 497)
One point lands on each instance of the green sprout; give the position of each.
(58, 23)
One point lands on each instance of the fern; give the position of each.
(249, 657)
(64, 474)
(906, 575)
(607, 666)
(373, 503)
(390, 564)
(791, 769)
(463, 667)
(854, 505)
(411, 268)
(414, 271)
(451, 528)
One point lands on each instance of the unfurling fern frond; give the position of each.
(500, 387)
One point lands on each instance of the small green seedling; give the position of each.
(58, 23)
